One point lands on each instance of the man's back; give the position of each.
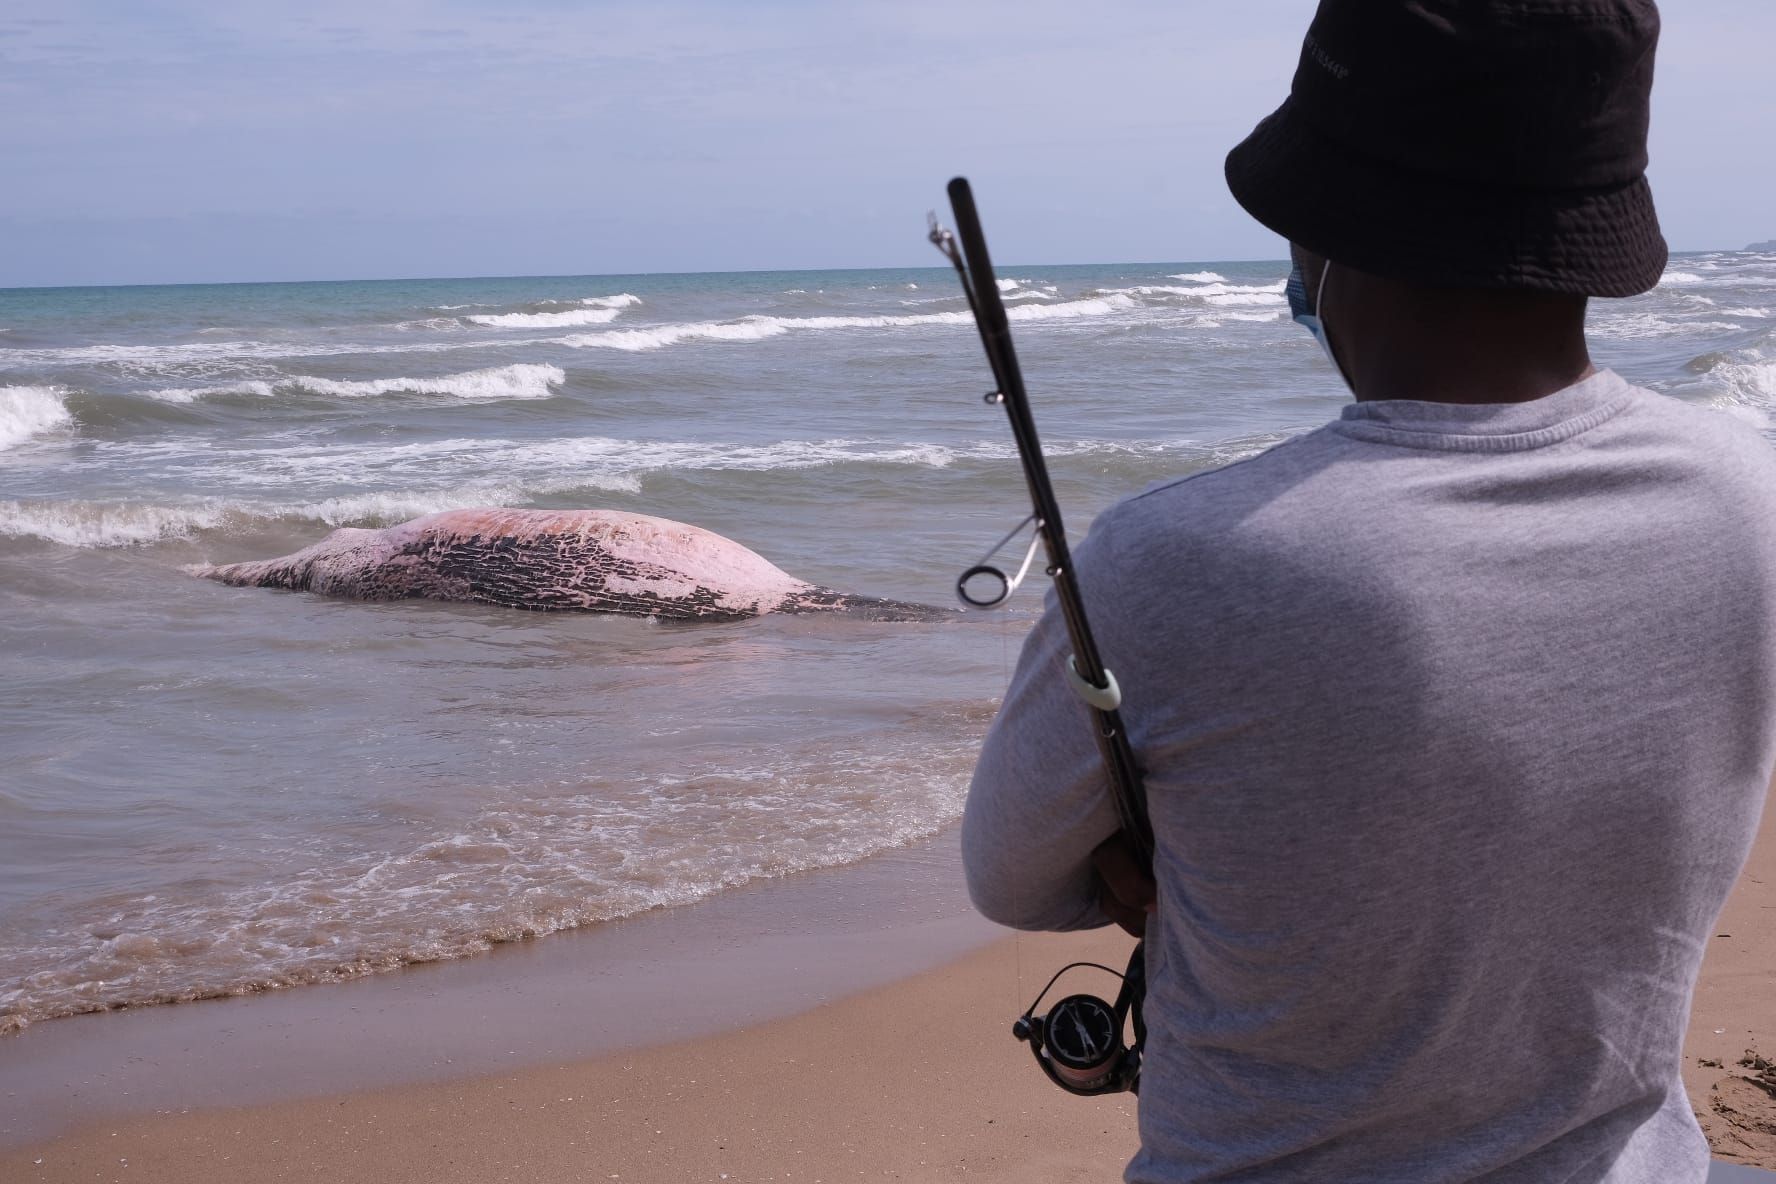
(1456, 722)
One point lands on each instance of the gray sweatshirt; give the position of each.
(1456, 724)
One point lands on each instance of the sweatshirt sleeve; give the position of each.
(1040, 800)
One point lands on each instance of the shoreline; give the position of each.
(763, 951)
(917, 1079)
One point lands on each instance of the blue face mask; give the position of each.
(1305, 315)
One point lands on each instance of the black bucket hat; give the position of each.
(1467, 143)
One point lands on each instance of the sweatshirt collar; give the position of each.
(1489, 427)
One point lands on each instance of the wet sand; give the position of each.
(915, 1080)
(750, 955)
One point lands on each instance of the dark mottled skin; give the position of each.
(555, 561)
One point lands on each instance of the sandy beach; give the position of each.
(915, 1080)
(1731, 1044)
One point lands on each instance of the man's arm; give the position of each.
(1040, 802)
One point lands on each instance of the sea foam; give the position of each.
(1217, 292)
(546, 320)
(522, 380)
(27, 411)
(757, 328)
(516, 868)
(664, 335)
(529, 470)
(191, 394)
(1614, 322)
(1751, 380)
(89, 524)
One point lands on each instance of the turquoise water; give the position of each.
(209, 790)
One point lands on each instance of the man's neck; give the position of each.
(1405, 341)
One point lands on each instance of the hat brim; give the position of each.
(1381, 218)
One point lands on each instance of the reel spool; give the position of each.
(1079, 1044)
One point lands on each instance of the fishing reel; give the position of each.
(1080, 1042)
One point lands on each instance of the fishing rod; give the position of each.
(1079, 1042)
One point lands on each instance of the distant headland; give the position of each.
(1768, 244)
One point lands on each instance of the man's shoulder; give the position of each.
(1728, 437)
(1209, 499)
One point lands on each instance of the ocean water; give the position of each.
(208, 790)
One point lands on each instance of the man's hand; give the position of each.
(1125, 891)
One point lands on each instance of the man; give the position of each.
(1456, 714)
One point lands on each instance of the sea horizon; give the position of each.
(619, 275)
(566, 275)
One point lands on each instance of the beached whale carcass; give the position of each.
(597, 561)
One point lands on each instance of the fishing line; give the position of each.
(1017, 939)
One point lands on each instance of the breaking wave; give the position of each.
(757, 328)
(1744, 376)
(529, 470)
(523, 380)
(172, 358)
(547, 320)
(1027, 300)
(27, 411)
(664, 335)
(126, 524)
(1634, 325)
(1217, 294)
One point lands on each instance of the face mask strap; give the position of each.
(1314, 320)
(1320, 312)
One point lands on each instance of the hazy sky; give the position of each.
(180, 141)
